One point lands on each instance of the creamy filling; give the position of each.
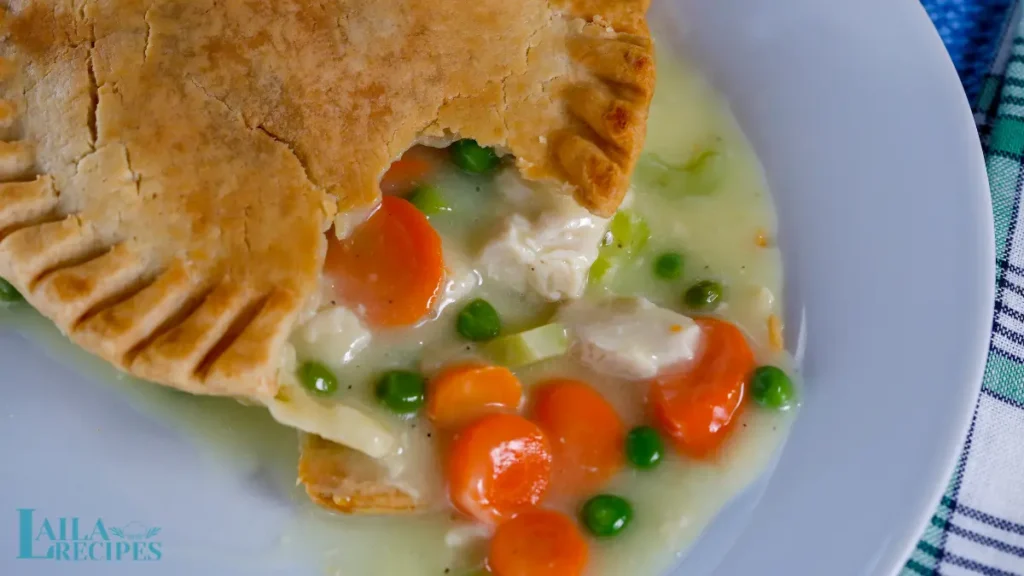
(528, 249)
(544, 253)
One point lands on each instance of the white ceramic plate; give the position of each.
(872, 155)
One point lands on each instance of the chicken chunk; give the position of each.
(334, 334)
(629, 337)
(551, 252)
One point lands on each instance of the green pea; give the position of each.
(644, 447)
(669, 266)
(429, 200)
(704, 295)
(478, 321)
(318, 379)
(401, 391)
(9, 293)
(771, 387)
(474, 158)
(606, 515)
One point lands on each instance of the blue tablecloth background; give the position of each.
(971, 30)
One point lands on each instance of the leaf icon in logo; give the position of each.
(135, 530)
(116, 532)
(152, 532)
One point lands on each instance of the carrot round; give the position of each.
(391, 267)
(695, 408)
(538, 543)
(412, 169)
(587, 436)
(460, 394)
(498, 466)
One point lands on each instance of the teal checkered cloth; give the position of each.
(979, 526)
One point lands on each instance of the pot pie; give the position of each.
(283, 202)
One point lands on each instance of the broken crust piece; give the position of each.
(171, 166)
(331, 475)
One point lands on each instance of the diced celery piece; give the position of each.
(600, 269)
(527, 347)
(629, 232)
(651, 170)
(705, 171)
(700, 175)
(429, 200)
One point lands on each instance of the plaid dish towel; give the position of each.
(979, 526)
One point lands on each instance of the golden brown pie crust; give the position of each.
(169, 167)
(325, 470)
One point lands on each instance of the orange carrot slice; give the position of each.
(695, 408)
(498, 466)
(587, 436)
(391, 267)
(409, 171)
(463, 393)
(538, 543)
